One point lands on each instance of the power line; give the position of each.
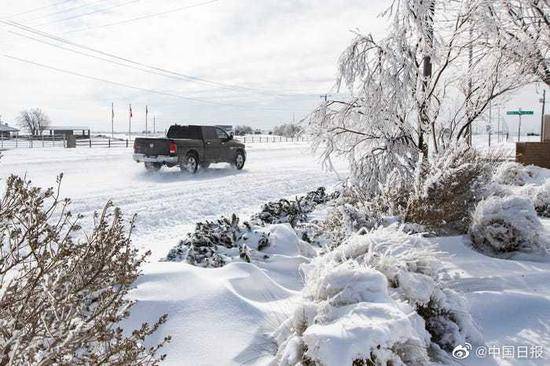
(39, 8)
(104, 59)
(156, 70)
(67, 10)
(102, 10)
(125, 65)
(146, 90)
(144, 16)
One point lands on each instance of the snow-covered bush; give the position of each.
(439, 197)
(542, 200)
(353, 297)
(292, 211)
(62, 299)
(448, 189)
(503, 225)
(384, 288)
(343, 220)
(214, 243)
(516, 174)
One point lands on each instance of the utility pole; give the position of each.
(490, 125)
(543, 101)
(155, 124)
(146, 117)
(498, 124)
(112, 120)
(519, 126)
(130, 123)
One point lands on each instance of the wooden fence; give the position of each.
(107, 142)
(31, 141)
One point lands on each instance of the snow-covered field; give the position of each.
(219, 316)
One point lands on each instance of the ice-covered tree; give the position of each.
(414, 92)
(521, 30)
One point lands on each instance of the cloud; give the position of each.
(276, 47)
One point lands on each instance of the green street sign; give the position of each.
(519, 113)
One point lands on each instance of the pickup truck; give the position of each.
(189, 147)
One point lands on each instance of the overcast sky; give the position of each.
(256, 62)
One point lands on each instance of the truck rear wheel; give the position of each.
(191, 163)
(152, 167)
(239, 160)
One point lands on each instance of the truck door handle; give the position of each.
(207, 142)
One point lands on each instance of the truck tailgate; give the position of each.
(150, 146)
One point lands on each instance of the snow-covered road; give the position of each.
(169, 202)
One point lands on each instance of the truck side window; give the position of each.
(210, 133)
(222, 135)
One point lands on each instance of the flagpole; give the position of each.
(154, 124)
(146, 116)
(112, 120)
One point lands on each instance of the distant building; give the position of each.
(7, 131)
(80, 132)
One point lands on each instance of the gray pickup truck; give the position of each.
(189, 147)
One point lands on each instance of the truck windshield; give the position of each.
(184, 132)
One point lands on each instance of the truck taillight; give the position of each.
(173, 148)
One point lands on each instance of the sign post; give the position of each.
(519, 113)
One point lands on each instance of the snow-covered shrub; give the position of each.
(354, 297)
(62, 299)
(516, 174)
(541, 200)
(394, 195)
(342, 221)
(439, 195)
(292, 211)
(384, 288)
(214, 243)
(506, 224)
(448, 189)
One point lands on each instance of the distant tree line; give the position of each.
(243, 130)
(287, 130)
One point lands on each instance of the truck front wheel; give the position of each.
(152, 167)
(191, 163)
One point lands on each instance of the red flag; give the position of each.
(112, 110)
(131, 115)
(146, 109)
